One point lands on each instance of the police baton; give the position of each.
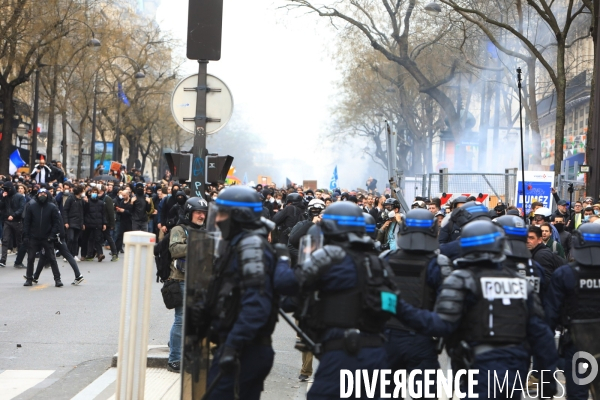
(314, 347)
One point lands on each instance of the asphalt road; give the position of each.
(73, 330)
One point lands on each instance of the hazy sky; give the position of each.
(278, 67)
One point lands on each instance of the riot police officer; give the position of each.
(447, 223)
(518, 256)
(342, 319)
(241, 303)
(573, 301)
(490, 313)
(418, 276)
(462, 215)
(194, 214)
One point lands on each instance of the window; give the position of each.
(580, 124)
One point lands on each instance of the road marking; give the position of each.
(39, 287)
(95, 388)
(14, 382)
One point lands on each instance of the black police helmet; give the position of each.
(194, 204)
(242, 203)
(293, 198)
(393, 202)
(418, 231)
(370, 226)
(459, 200)
(343, 217)
(586, 244)
(481, 241)
(470, 211)
(516, 236)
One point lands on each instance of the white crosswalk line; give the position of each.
(96, 387)
(14, 382)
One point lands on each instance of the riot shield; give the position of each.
(195, 355)
(585, 334)
(308, 244)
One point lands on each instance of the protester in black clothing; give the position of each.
(289, 216)
(11, 212)
(139, 206)
(95, 223)
(540, 252)
(169, 203)
(41, 229)
(122, 209)
(42, 173)
(73, 219)
(565, 237)
(109, 211)
(175, 214)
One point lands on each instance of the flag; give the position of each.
(15, 162)
(122, 95)
(245, 180)
(288, 183)
(333, 183)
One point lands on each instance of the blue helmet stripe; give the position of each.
(370, 228)
(479, 240)
(476, 209)
(257, 207)
(419, 223)
(511, 230)
(591, 237)
(346, 220)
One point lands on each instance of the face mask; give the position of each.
(271, 200)
(278, 201)
(94, 196)
(596, 212)
(181, 200)
(42, 199)
(66, 191)
(214, 197)
(586, 218)
(559, 227)
(121, 196)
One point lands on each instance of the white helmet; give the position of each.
(316, 203)
(543, 211)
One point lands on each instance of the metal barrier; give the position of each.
(502, 186)
(138, 273)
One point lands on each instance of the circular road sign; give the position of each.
(219, 104)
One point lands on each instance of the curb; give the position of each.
(157, 357)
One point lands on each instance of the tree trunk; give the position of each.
(65, 146)
(133, 150)
(7, 130)
(561, 88)
(51, 113)
(79, 154)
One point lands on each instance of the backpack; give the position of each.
(162, 257)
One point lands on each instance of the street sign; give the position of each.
(219, 103)
(205, 20)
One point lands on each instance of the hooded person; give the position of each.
(176, 214)
(170, 201)
(12, 205)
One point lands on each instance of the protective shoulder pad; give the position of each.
(251, 261)
(336, 253)
(385, 254)
(450, 301)
(445, 264)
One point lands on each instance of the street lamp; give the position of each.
(433, 8)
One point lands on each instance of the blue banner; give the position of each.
(333, 184)
(534, 191)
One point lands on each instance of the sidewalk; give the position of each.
(160, 383)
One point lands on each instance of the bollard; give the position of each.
(138, 275)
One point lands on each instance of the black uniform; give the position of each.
(11, 206)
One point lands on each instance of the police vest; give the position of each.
(410, 277)
(525, 268)
(225, 291)
(366, 307)
(585, 301)
(500, 313)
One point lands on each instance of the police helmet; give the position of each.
(293, 198)
(418, 231)
(194, 204)
(586, 244)
(544, 212)
(470, 211)
(418, 204)
(244, 208)
(459, 200)
(370, 226)
(341, 218)
(481, 241)
(394, 203)
(316, 206)
(516, 236)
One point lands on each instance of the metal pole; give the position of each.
(199, 151)
(93, 140)
(36, 112)
(522, 150)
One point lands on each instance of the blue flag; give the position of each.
(122, 95)
(245, 180)
(15, 162)
(333, 183)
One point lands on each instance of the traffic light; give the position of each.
(217, 168)
(180, 166)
